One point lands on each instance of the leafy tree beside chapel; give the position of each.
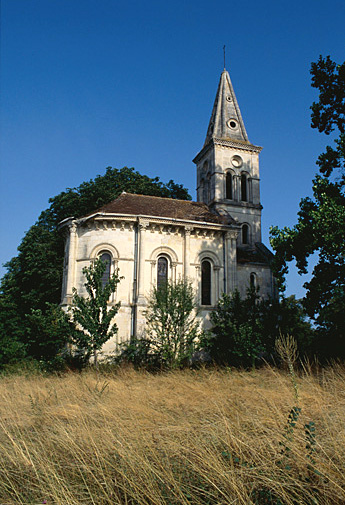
(244, 330)
(320, 226)
(91, 314)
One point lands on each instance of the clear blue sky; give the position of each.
(87, 84)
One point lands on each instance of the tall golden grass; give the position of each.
(184, 437)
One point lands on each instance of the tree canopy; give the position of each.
(244, 330)
(34, 276)
(320, 227)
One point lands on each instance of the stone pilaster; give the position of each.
(153, 272)
(250, 189)
(173, 270)
(187, 233)
(230, 259)
(141, 261)
(198, 283)
(216, 270)
(73, 239)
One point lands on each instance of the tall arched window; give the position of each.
(206, 282)
(245, 234)
(252, 280)
(244, 195)
(228, 186)
(162, 271)
(106, 258)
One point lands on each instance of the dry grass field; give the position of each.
(185, 437)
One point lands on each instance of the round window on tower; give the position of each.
(237, 161)
(232, 124)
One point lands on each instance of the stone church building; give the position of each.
(214, 242)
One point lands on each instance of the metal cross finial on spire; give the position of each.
(224, 56)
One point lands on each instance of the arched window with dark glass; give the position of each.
(244, 196)
(245, 234)
(252, 280)
(162, 271)
(228, 186)
(206, 282)
(106, 258)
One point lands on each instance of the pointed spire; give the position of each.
(226, 121)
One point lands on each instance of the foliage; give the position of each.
(321, 219)
(137, 352)
(12, 347)
(91, 313)
(172, 330)
(49, 333)
(329, 112)
(237, 329)
(246, 329)
(34, 276)
(286, 316)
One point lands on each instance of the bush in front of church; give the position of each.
(173, 333)
(244, 330)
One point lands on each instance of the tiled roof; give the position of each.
(144, 205)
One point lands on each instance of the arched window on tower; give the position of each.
(206, 282)
(245, 234)
(162, 271)
(252, 280)
(244, 191)
(106, 258)
(228, 186)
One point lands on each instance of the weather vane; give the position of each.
(224, 56)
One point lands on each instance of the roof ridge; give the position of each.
(155, 196)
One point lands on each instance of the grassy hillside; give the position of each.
(191, 437)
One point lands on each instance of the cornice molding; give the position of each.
(237, 145)
(100, 221)
(241, 146)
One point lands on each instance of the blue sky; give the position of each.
(87, 84)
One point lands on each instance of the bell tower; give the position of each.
(228, 166)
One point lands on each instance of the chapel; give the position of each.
(214, 242)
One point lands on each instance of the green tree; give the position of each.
(286, 316)
(173, 332)
(34, 276)
(49, 334)
(246, 329)
(91, 314)
(321, 219)
(12, 347)
(236, 329)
